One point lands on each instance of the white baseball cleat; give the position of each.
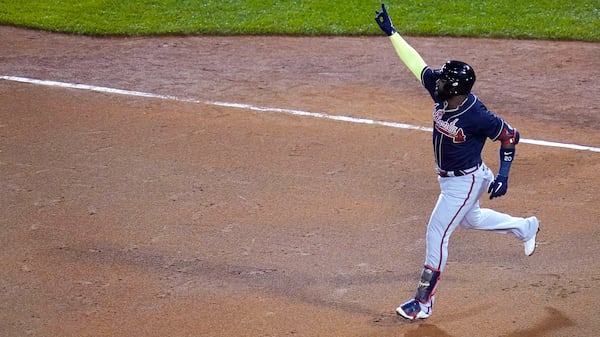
(413, 309)
(531, 244)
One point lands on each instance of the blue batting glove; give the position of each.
(498, 187)
(384, 21)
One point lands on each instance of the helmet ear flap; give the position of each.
(450, 87)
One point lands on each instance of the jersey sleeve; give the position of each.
(491, 124)
(428, 79)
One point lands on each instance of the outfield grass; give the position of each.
(536, 19)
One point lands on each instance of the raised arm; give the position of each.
(411, 58)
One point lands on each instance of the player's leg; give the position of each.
(421, 306)
(491, 220)
(524, 229)
(458, 195)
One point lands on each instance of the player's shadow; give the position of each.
(295, 286)
(427, 330)
(554, 321)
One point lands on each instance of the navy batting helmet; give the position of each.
(460, 77)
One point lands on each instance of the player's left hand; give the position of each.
(498, 187)
(384, 21)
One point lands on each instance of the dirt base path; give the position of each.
(134, 216)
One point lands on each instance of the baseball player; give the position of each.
(461, 125)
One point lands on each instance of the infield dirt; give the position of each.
(130, 216)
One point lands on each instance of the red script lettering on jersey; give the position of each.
(448, 129)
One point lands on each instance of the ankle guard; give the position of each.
(426, 289)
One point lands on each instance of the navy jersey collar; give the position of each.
(466, 105)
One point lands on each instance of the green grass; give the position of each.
(538, 19)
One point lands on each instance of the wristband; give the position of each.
(506, 158)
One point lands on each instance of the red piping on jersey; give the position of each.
(454, 218)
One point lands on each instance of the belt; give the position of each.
(457, 173)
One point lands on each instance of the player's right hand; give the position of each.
(384, 21)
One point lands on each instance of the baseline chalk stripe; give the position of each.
(320, 115)
(268, 109)
(95, 88)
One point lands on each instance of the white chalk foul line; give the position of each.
(94, 88)
(320, 115)
(269, 109)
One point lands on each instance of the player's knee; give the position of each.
(466, 224)
(472, 220)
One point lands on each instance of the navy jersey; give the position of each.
(460, 134)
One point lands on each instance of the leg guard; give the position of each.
(426, 289)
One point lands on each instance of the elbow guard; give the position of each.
(508, 135)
